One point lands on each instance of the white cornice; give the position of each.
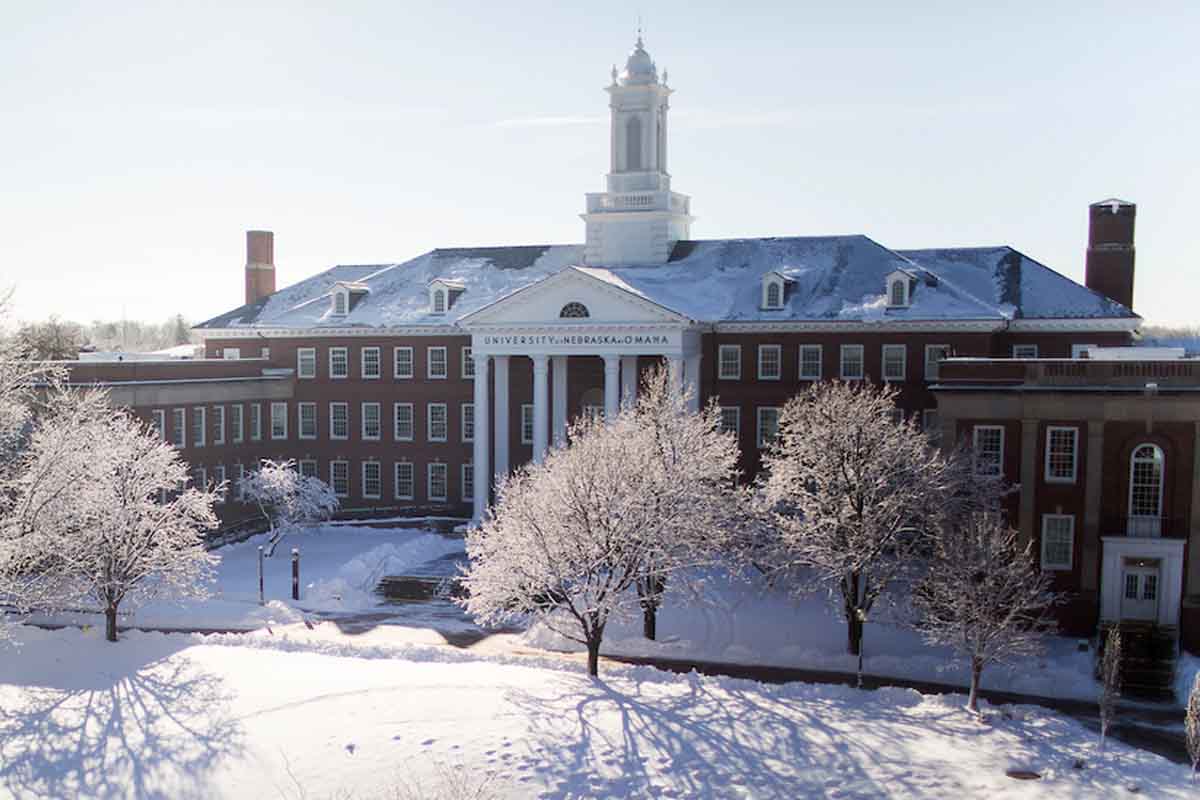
(449, 329)
(857, 326)
(1098, 324)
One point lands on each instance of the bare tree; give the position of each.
(286, 498)
(848, 489)
(1192, 725)
(53, 340)
(984, 595)
(1110, 681)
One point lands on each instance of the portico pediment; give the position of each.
(577, 296)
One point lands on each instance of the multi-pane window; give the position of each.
(200, 478)
(527, 424)
(439, 302)
(231, 353)
(402, 414)
(933, 354)
(404, 480)
(199, 433)
(402, 362)
(731, 419)
(895, 362)
(729, 362)
(370, 362)
(239, 472)
(158, 424)
(436, 366)
(768, 426)
(218, 481)
(468, 364)
(770, 362)
(774, 295)
(235, 423)
(339, 420)
(339, 362)
(1145, 488)
(931, 424)
(308, 467)
(306, 414)
(371, 423)
(306, 362)
(256, 422)
(437, 481)
(988, 443)
(278, 420)
(810, 362)
(218, 424)
(339, 478)
(1058, 541)
(436, 422)
(265, 353)
(468, 422)
(339, 303)
(1062, 448)
(1025, 351)
(468, 482)
(372, 483)
(852, 362)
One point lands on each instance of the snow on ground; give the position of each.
(317, 714)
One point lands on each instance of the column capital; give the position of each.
(541, 361)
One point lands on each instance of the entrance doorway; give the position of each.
(1140, 589)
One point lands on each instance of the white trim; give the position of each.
(179, 428)
(301, 352)
(276, 405)
(256, 422)
(332, 421)
(412, 424)
(325, 332)
(1017, 347)
(1058, 565)
(857, 326)
(975, 449)
(820, 362)
(1162, 480)
(721, 351)
(362, 363)
(333, 480)
(758, 419)
(396, 374)
(306, 462)
(737, 419)
(429, 409)
(429, 351)
(862, 362)
(462, 421)
(218, 426)
(429, 495)
(378, 420)
(1098, 324)
(467, 471)
(378, 479)
(883, 362)
(198, 414)
(764, 348)
(1116, 549)
(1074, 454)
(465, 372)
(412, 480)
(238, 432)
(945, 348)
(345, 351)
(300, 407)
(158, 421)
(527, 416)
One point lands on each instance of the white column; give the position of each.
(692, 378)
(501, 417)
(612, 386)
(483, 476)
(675, 370)
(629, 380)
(558, 405)
(541, 366)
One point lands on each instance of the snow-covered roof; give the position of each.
(834, 278)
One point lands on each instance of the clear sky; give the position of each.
(140, 141)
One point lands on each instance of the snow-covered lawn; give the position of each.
(316, 714)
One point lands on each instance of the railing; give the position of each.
(1145, 527)
(637, 201)
(1113, 373)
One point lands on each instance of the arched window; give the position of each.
(1146, 490)
(633, 144)
(773, 295)
(574, 311)
(898, 298)
(439, 301)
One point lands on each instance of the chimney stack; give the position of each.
(260, 265)
(1109, 268)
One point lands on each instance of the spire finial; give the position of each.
(639, 31)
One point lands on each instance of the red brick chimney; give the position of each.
(1110, 250)
(260, 265)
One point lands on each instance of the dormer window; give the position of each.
(341, 301)
(899, 297)
(574, 311)
(443, 293)
(773, 291)
(439, 301)
(345, 296)
(899, 289)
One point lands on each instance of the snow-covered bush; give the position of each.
(286, 498)
(1110, 680)
(1192, 725)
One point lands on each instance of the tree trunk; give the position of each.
(110, 623)
(855, 634)
(593, 648)
(649, 621)
(973, 697)
(650, 596)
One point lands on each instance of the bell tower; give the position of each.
(638, 219)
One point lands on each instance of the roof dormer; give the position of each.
(443, 293)
(900, 285)
(774, 290)
(345, 297)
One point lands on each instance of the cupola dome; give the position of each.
(639, 67)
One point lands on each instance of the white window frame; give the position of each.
(1048, 565)
(306, 357)
(931, 367)
(737, 420)
(344, 352)
(366, 493)
(467, 370)
(760, 412)
(218, 479)
(467, 480)
(256, 420)
(804, 376)
(1162, 482)
(363, 353)
(333, 434)
(218, 425)
(239, 472)
(412, 425)
(862, 362)
(412, 480)
(200, 478)
(527, 423)
(397, 373)
(439, 301)
(891, 292)
(301, 433)
(429, 470)
(275, 407)
(1077, 350)
(429, 373)
(308, 467)
(931, 429)
(883, 355)
(768, 281)
(722, 352)
(1051, 478)
(237, 423)
(466, 418)
(778, 350)
(363, 427)
(430, 409)
(333, 469)
(159, 423)
(1024, 351)
(975, 436)
(231, 353)
(199, 432)
(340, 303)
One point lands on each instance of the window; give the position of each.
(370, 421)
(402, 418)
(199, 433)
(200, 478)
(468, 365)
(468, 482)
(931, 424)
(265, 353)
(278, 420)
(404, 480)
(372, 483)
(810, 362)
(339, 363)
(307, 420)
(852, 362)
(370, 362)
(218, 482)
(436, 366)
(179, 427)
(1062, 445)
(1058, 541)
(158, 424)
(729, 357)
(339, 478)
(468, 422)
(527, 424)
(256, 422)
(436, 422)
(574, 311)
(898, 293)
(239, 472)
(235, 422)
(402, 362)
(1145, 489)
(774, 295)
(633, 144)
(231, 353)
(339, 303)
(768, 426)
(437, 482)
(339, 420)
(218, 424)
(895, 362)
(731, 419)
(770, 362)
(308, 468)
(306, 362)
(439, 301)
(1024, 351)
(933, 354)
(1080, 350)
(988, 442)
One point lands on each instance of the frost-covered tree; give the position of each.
(1192, 725)
(1110, 681)
(848, 489)
(567, 540)
(984, 595)
(286, 498)
(101, 514)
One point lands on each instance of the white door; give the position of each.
(1139, 598)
